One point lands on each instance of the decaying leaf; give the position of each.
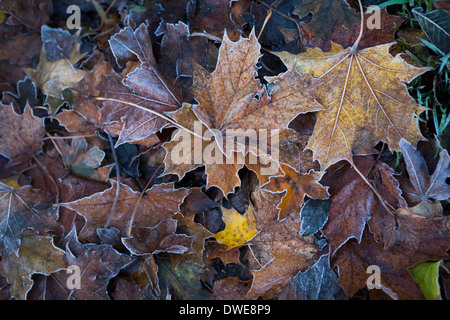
(279, 249)
(232, 101)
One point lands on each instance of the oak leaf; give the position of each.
(365, 90)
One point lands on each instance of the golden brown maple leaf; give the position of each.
(231, 98)
(365, 90)
(186, 152)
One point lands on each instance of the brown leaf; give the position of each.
(186, 152)
(231, 98)
(279, 250)
(160, 238)
(143, 86)
(353, 260)
(24, 209)
(20, 135)
(158, 203)
(352, 202)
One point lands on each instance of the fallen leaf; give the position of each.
(37, 254)
(366, 90)
(314, 215)
(79, 159)
(232, 100)
(181, 282)
(143, 86)
(24, 209)
(239, 228)
(160, 238)
(186, 152)
(352, 202)
(97, 208)
(279, 249)
(326, 14)
(297, 186)
(425, 186)
(436, 26)
(20, 135)
(353, 260)
(427, 276)
(98, 264)
(317, 283)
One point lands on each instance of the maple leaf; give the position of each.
(20, 135)
(232, 98)
(24, 209)
(365, 90)
(193, 151)
(37, 254)
(144, 87)
(297, 186)
(425, 186)
(148, 212)
(98, 265)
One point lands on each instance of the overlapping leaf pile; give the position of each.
(106, 136)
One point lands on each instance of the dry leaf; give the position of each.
(366, 90)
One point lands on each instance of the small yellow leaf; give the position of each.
(239, 228)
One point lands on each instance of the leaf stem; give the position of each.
(361, 30)
(385, 204)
